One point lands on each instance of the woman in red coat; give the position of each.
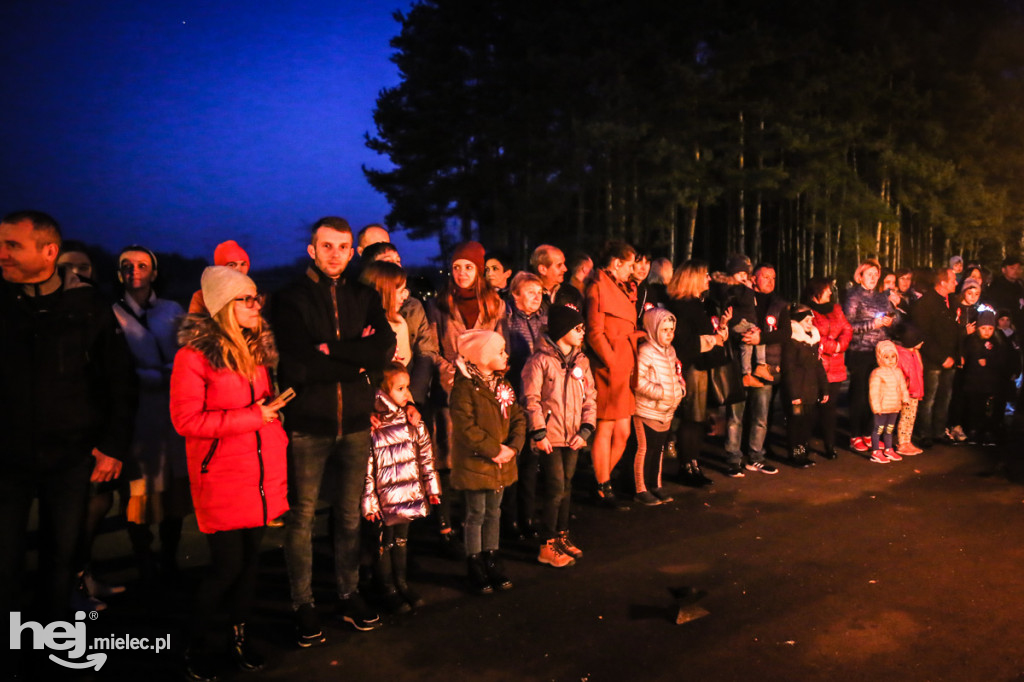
(220, 388)
(836, 333)
(612, 337)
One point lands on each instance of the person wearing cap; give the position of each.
(228, 254)
(221, 402)
(956, 264)
(740, 297)
(935, 317)
(69, 412)
(467, 302)
(334, 338)
(560, 402)
(804, 383)
(488, 431)
(987, 363)
(156, 471)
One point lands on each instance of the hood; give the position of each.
(801, 335)
(653, 319)
(884, 347)
(200, 332)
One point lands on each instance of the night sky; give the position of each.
(179, 125)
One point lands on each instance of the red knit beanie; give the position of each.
(473, 252)
(229, 252)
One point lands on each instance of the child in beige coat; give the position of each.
(887, 392)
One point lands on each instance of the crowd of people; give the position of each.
(469, 405)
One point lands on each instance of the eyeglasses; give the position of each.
(250, 301)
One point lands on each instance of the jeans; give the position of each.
(307, 461)
(759, 400)
(934, 407)
(234, 566)
(483, 520)
(63, 496)
(558, 466)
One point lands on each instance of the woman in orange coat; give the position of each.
(612, 336)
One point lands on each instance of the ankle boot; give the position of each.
(495, 574)
(606, 497)
(385, 577)
(799, 457)
(400, 564)
(479, 583)
(245, 658)
(698, 474)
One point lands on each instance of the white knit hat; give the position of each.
(479, 346)
(221, 285)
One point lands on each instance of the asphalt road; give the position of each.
(846, 571)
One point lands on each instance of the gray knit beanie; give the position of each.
(222, 285)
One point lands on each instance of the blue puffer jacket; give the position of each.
(862, 307)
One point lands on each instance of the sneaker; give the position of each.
(647, 499)
(662, 495)
(892, 456)
(734, 471)
(908, 449)
(551, 554)
(860, 444)
(878, 457)
(354, 611)
(307, 627)
(567, 546)
(763, 467)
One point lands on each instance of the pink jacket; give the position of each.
(913, 370)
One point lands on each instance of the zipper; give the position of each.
(259, 455)
(209, 455)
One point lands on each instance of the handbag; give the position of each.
(725, 382)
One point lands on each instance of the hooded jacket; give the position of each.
(400, 475)
(836, 334)
(480, 426)
(236, 463)
(659, 382)
(803, 375)
(887, 388)
(559, 396)
(67, 380)
(334, 389)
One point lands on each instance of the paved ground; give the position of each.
(847, 571)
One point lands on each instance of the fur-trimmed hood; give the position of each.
(200, 332)
(801, 335)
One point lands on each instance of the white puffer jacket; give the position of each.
(660, 387)
(400, 476)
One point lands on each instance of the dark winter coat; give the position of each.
(937, 323)
(773, 321)
(693, 321)
(66, 378)
(524, 334)
(803, 375)
(237, 464)
(480, 426)
(317, 310)
(986, 379)
(861, 308)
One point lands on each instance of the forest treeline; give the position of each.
(809, 134)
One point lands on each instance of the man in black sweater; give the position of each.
(68, 406)
(331, 332)
(936, 318)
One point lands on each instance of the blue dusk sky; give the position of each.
(179, 125)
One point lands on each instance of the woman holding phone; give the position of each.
(221, 401)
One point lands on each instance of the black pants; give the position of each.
(520, 501)
(650, 446)
(859, 364)
(63, 495)
(558, 466)
(234, 564)
(827, 416)
(800, 423)
(983, 412)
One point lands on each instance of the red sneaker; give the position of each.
(891, 454)
(860, 444)
(878, 457)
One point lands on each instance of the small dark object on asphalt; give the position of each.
(684, 607)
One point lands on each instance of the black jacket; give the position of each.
(305, 316)
(938, 326)
(988, 379)
(693, 320)
(67, 379)
(803, 374)
(773, 321)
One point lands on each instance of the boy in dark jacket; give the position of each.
(986, 365)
